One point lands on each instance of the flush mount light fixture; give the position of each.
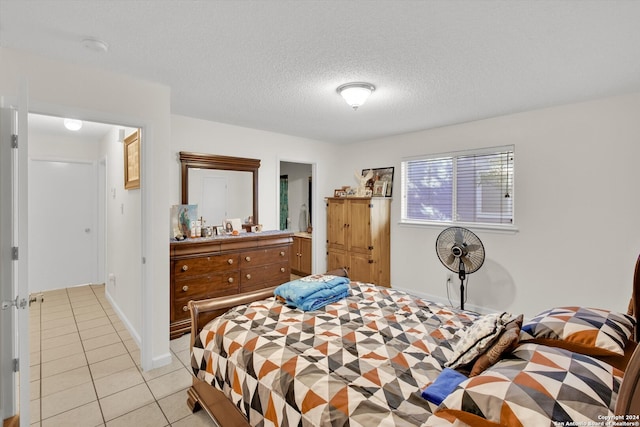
(95, 45)
(73, 124)
(355, 93)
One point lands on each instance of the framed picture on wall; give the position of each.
(381, 174)
(132, 161)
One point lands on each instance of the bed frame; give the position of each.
(202, 395)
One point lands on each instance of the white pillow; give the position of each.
(477, 338)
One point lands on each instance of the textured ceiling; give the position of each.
(275, 65)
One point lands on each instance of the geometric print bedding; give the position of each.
(362, 361)
(536, 386)
(585, 330)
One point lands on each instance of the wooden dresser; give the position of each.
(219, 266)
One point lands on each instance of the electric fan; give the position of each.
(460, 251)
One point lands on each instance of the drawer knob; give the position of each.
(282, 269)
(247, 258)
(281, 253)
(185, 308)
(185, 288)
(248, 276)
(230, 280)
(230, 261)
(185, 267)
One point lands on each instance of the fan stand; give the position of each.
(462, 275)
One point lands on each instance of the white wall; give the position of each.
(64, 89)
(201, 136)
(576, 201)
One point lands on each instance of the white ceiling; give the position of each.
(275, 65)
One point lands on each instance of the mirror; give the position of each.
(222, 186)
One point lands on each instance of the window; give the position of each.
(473, 187)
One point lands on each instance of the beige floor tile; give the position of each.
(34, 372)
(98, 331)
(65, 400)
(34, 358)
(101, 341)
(131, 345)
(62, 365)
(57, 323)
(88, 415)
(125, 401)
(170, 383)
(65, 380)
(199, 419)
(175, 365)
(111, 366)
(147, 416)
(86, 317)
(34, 411)
(106, 352)
(50, 308)
(88, 309)
(125, 335)
(175, 406)
(55, 315)
(61, 330)
(93, 323)
(83, 301)
(34, 390)
(62, 340)
(184, 357)
(117, 382)
(180, 344)
(60, 352)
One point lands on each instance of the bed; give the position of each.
(369, 359)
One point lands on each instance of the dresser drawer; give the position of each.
(263, 256)
(204, 265)
(264, 276)
(206, 286)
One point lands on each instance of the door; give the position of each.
(14, 315)
(360, 226)
(337, 224)
(63, 224)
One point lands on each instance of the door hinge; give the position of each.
(16, 365)
(370, 261)
(14, 253)
(14, 141)
(370, 248)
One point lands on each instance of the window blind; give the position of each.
(470, 187)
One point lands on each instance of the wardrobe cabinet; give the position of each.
(301, 254)
(220, 266)
(358, 238)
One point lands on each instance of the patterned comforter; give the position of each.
(362, 361)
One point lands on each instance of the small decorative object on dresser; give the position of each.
(379, 188)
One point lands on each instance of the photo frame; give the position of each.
(380, 188)
(231, 225)
(381, 174)
(132, 161)
(219, 230)
(339, 192)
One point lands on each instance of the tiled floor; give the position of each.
(85, 368)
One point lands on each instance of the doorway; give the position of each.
(296, 212)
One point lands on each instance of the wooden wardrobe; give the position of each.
(358, 238)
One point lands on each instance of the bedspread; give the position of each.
(361, 361)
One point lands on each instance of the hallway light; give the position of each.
(73, 124)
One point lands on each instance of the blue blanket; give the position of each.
(442, 387)
(313, 292)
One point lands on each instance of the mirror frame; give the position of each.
(210, 161)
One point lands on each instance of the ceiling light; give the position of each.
(95, 45)
(356, 93)
(73, 124)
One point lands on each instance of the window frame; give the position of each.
(453, 222)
